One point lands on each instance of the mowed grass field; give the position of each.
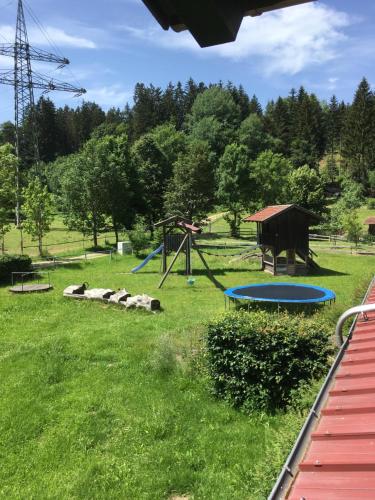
(99, 402)
(59, 240)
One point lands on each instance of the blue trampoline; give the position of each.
(287, 293)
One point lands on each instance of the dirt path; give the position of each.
(67, 260)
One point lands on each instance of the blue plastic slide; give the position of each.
(148, 258)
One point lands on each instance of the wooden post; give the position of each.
(164, 254)
(263, 256)
(188, 255)
(173, 261)
(291, 261)
(274, 262)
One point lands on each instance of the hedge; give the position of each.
(13, 263)
(258, 359)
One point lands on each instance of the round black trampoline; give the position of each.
(290, 293)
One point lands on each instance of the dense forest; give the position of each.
(194, 148)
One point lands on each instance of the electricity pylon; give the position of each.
(25, 80)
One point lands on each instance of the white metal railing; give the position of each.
(363, 309)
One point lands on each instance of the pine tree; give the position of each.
(48, 129)
(278, 124)
(192, 90)
(241, 98)
(255, 107)
(147, 109)
(333, 133)
(87, 117)
(168, 108)
(7, 133)
(308, 136)
(359, 134)
(179, 98)
(68, 135)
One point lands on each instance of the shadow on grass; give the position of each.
(70, 265)
(326, 272)
(221, 271)
(305, 309)
(101, 248)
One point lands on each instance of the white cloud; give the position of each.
(106, 96)
(58, 36)
(332, 83)
(285, 41)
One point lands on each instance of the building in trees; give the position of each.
(370, 222)
(283, 235)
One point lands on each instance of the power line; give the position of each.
(24, 80)
(48, 39)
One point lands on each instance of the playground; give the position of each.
(122, 396)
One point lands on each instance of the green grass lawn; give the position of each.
(56, 242)
(99, 402)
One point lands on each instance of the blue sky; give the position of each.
(327, 46)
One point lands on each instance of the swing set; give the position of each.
(184, 241)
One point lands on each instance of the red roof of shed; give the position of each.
(273, 210)
(190, 227)
(369, 221)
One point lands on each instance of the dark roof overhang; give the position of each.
(211, 22)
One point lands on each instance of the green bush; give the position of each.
(163, 360)
(139, 237)
(368, 239)
(371, 203)
(258, 359)
(13, 263)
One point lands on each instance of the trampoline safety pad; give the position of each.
(282, 293)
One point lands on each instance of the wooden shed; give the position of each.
(283, 235)
(370, 222)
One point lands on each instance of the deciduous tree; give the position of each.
(270, 173)
(38, 211)
(234, 184)
(191, 189)
(306, 189)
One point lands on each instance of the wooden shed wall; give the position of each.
(289, 230)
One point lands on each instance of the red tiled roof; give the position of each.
(369, 221)
(190, 227)
(267, 213)
(340, 459)
(274, 210)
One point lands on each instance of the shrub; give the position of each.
(371, 203)
(353, 226)
(258, 359)
(139, 237)
(13, 263)
(163, 360)
(368, 239)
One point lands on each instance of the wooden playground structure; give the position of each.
(181, 241)
(283, 235)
